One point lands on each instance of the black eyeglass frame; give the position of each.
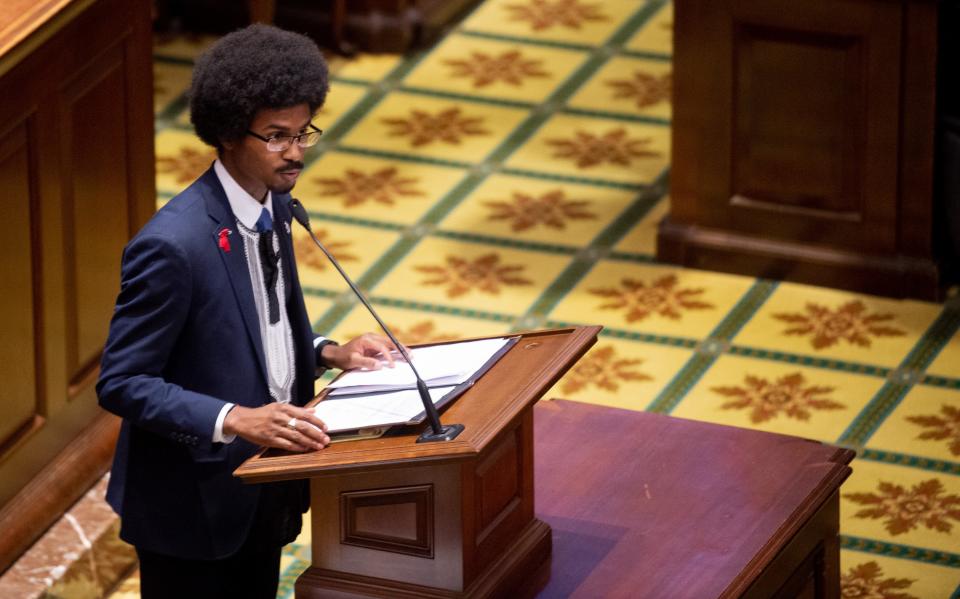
(299, 138)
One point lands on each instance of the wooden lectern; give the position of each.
(393, 518)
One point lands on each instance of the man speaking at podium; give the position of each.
(210, 353)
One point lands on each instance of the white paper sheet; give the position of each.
(447, 364)
(365, 411)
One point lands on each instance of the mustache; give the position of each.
(293, 165)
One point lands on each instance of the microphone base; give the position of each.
(447, 433)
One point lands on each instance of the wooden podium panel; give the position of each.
(647, 505)
(394, 518)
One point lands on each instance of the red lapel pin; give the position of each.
(223, 240)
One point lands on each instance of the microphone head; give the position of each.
(299, 213)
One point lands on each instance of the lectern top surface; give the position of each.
(512, 385)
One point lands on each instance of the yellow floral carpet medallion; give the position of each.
(511, 177)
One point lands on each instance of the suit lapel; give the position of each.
(234, 260)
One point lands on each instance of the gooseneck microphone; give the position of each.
(437, 431)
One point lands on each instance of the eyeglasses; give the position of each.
(280, 143)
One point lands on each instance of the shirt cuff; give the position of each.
(318, 344)
(218, 436)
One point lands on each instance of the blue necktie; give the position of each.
(269, 260)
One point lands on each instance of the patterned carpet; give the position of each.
(512, 178)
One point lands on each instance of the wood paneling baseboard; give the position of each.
(61, 482)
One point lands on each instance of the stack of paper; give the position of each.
(367, 399)
(447, 364)
(382, 409)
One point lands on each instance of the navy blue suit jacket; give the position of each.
(184, 339)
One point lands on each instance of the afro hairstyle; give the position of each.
(257, 67)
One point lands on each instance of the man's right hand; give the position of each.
(269, 425)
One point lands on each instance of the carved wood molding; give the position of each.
(518, 572)
(57, 487)
(398, 519)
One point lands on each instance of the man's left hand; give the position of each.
(367, 351)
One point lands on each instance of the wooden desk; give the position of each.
(646, 505)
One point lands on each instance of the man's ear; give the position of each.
(226, 144)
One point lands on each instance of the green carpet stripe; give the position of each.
(631, 25)
(402, 157)
(629, 335)
(353, 81)
(682, 382)
(901, 459)
(451, 199)
(647, 55)
(562, 93)
(512, 141)
(517, 137)
(375, 93)
(874, 413)
(638, 258)
(744, 310)
(632, 214)
(440, 309)
(551, 248)
(574, 179)
(448, 95)
(586, 259)
(358, 83)
(351, 117)
(699, 363)
(649, 338)
(171, 111)
(937, 335)
(354, 220)
(400, 249)
(560, 286)
(941, 381)
(337, 312)
(892, 393)
(617, 116)
(324, 293)
(288, 578)
(388, 260)
(523, 40)
(185, 127)
(919, 554)
(802, 360)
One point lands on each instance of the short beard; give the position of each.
(283, 190)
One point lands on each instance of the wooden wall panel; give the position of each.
(77, 179)
(796, 146)
(22, 412)
(96, 207)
